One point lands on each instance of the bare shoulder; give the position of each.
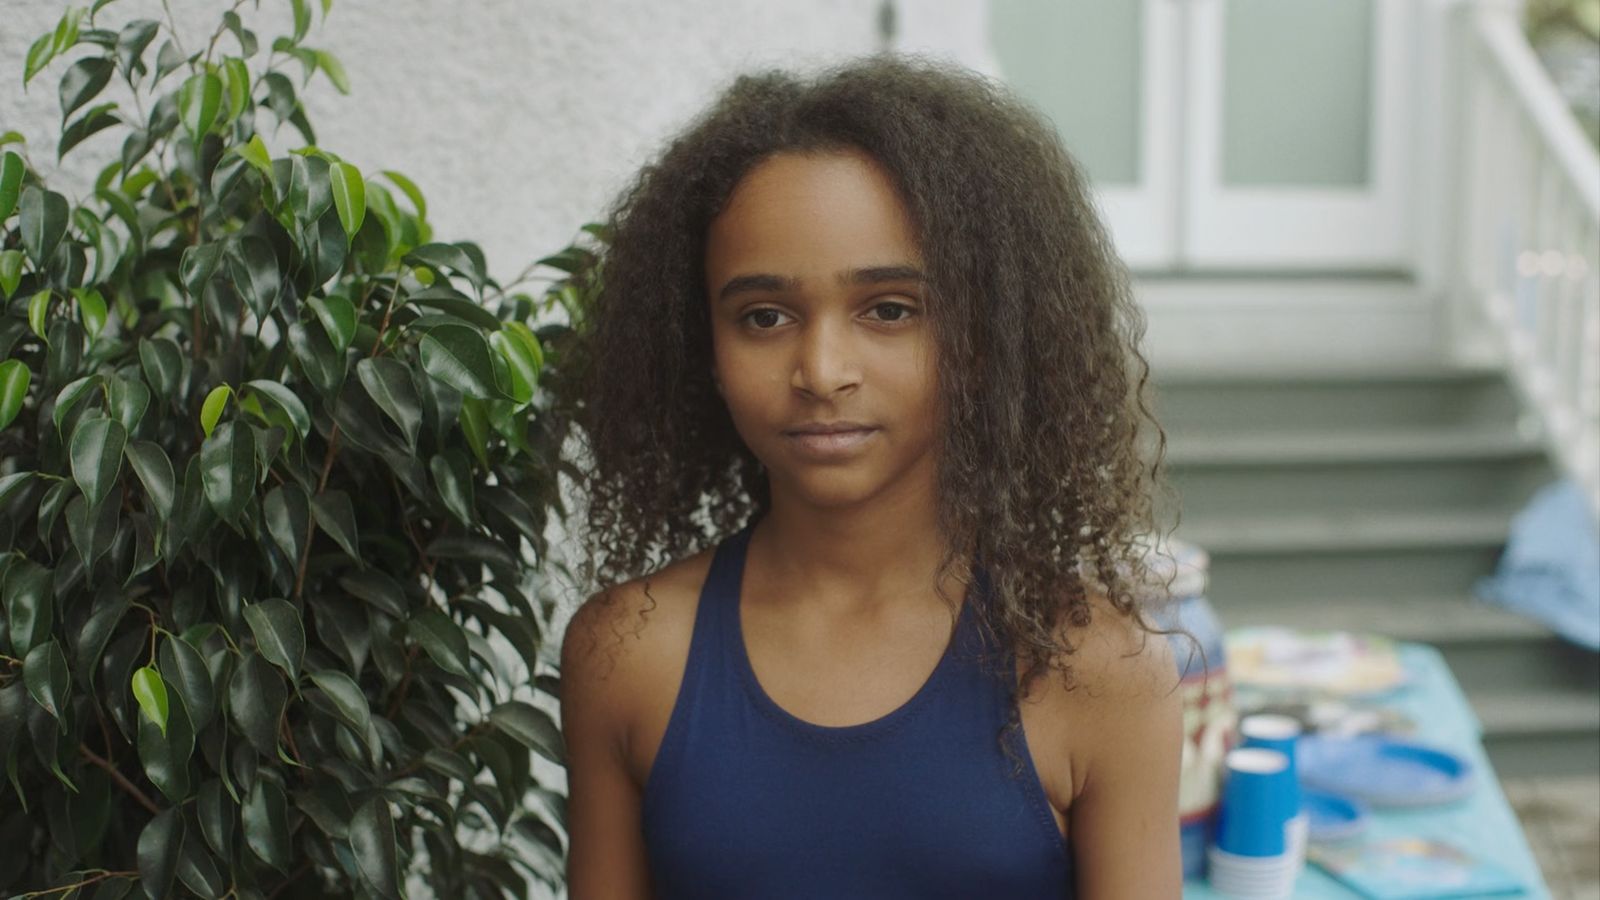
(1115, 660)
(622, 641)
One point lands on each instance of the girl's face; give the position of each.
(818, 324)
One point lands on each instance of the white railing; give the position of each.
(1527, 273)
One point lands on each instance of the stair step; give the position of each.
(1332, 447)
(1320, 402)
(1336, 532)
(1428, 619)
(1547, 711)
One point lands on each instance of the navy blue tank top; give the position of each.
(745, 800)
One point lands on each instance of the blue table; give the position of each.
(1482, 823)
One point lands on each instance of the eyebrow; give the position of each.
(744, 284)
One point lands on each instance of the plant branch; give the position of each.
(121, 780)
(311, 521)
(104, 874)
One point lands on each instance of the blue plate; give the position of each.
(1383, 771)
(1332, 817)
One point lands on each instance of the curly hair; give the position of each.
(1040, 479)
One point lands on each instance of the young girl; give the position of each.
(863, 479)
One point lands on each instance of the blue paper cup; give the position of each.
(1278, 733)
(1256, 794)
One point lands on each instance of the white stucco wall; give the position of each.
(518, 120)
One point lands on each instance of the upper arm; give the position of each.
(1125, 829)
(605, 846)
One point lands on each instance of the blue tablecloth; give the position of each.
(1482, 823)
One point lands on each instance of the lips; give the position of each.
(831, 442)
(829, 428)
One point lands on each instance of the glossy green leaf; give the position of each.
(286, 401)
(373, 843)
(151, 692)
(287, 512)
(90, 642)
(254, 152)
(198, 264)
(474, 420)
(183, 668)
(409, 188)
(199, 100)
(347, 698)
(266, 824)
(14, 378)
(447, 257)
(336, 516)
(388, 382)
(459, 356)
(132, 41)
(349, 196)
(216, 813)
(238, 86)
(256, 696)
(44, 671)
(322, 363)
(38, 311)
(532, 727)
(452, 477)
(43, 222)
(92, 529)
(16, 481)
(67, 397)
(165, 754)
(83, 80)
(160, 845)
(228, 465)
(29, 594)
(94, 120)
(211, 409)
(11, 167)
(338, 318)
(128, 399)
(198, 871)
(162, 363)
(254, 268)
(39, 55)
(92, 309)
(378, 589)
(154, 469)
(442, 639)
(521, 366)
(280, 637)
(97, 447)
(10, 271)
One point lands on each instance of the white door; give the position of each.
(1218, 134)
(1299, 138)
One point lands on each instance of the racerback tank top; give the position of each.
(745, 800)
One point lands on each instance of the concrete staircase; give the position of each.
(1370, 500)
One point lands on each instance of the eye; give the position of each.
(900, 311)
(763, 319)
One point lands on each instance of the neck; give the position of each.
(869, 560)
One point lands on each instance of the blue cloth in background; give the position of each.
(1551, 567)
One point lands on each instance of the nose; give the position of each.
(827, 362)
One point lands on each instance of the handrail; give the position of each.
(1526, 253)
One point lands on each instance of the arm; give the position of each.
(605, 849)
(1125, 817)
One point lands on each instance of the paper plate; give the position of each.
(1383, 771)
(1333, 818)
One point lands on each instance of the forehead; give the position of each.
(817, 212)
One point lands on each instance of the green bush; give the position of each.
(275, 471)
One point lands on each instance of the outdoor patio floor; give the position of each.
(1561, 818)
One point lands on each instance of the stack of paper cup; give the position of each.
(1254, 856)
(1280, 733)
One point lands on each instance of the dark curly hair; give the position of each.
(1041, 478)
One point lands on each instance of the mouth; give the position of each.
(833, 441)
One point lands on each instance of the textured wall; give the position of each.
(519, 120)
